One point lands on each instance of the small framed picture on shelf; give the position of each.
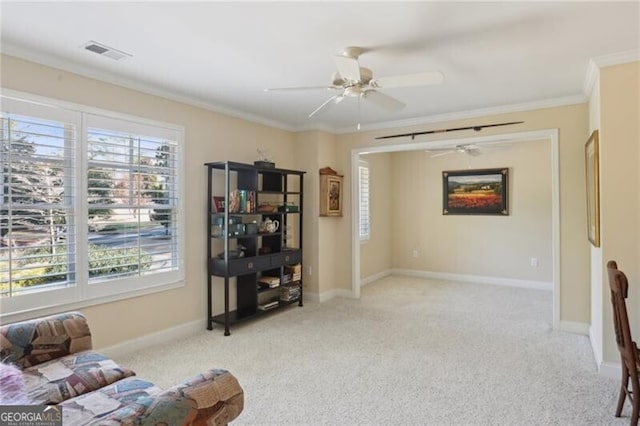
(218, 204)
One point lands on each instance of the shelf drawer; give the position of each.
(289, 257)
(242, 266)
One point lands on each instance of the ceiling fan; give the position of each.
(470, 149)
(353, 81)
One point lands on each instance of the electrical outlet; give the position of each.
(534, 262)
(416, 253)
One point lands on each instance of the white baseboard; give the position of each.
(374, 277)
(508, 282)
(595, 347)
(311, 297)
(159, 337)
(327, 295)
(330, 294)
(574, 327)
(194, 327)
(607, 369)
(611, 370)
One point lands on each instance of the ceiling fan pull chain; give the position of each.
(359, 114)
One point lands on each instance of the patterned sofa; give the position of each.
(59, 367)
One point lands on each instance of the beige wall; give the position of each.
(306, 152)
(620, 189)
(208, 137)
(573, 123)
(490, 246)
(376, 252)
(211, 136)
(328, 233)
(314, 150)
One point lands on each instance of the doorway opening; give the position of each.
(547, 135)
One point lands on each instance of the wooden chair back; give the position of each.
(619, 291)
(629, 358)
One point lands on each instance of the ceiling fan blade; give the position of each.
(324, 104)
(440, 154)
(383, 101)
(348, 68)
(295, 89)
(409, 80)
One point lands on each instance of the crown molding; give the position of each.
(591, 75)
(593, 68)
(590, 78)
(315, 127)
(482, 112)
(54, 62)
(617, 58)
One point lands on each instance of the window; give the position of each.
(89, 206)
(365, 218)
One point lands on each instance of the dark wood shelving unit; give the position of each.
(260, 234)
(271, 254)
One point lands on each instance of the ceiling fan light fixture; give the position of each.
(365, 75)
(353, 91)
(357, 82)
(337, 80)
(352, 52)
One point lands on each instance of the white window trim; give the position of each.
(367, 237)
(81, 295)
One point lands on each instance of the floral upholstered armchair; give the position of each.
(59, 367)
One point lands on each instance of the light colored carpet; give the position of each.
(410, 352)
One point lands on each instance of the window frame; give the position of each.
(83, 294)
(364, 164)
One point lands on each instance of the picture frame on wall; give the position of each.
(475, 192)
(330, 195)
(591, 152)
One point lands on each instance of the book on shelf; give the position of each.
(289, 298)
(289, 293)
(270, 305)
(293, 269)
(268, 282)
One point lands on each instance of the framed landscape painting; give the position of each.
(475, 192)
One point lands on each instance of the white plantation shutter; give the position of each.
(132, 199)
(90, 206)
(363, 180)
(37, 226)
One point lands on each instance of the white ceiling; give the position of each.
(222, 55)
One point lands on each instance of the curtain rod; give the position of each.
(455, 129)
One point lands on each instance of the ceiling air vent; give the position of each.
(104, 50)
